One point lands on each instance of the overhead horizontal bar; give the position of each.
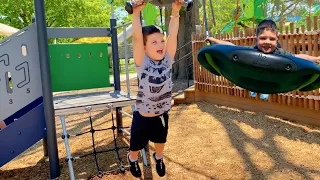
(78, 32)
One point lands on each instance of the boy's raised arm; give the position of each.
(174, 29)
(137, 37)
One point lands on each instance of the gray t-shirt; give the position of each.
(155, 85)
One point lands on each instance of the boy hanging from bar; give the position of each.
(153, 56)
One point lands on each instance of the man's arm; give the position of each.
(173, 30)
(137, 37)
(217, 41)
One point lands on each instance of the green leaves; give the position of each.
(60, 13)
(254, 8)
(77, 13)
(248, 10)
(63, 13)
(149, 14)
(222, 13)
(15, 13)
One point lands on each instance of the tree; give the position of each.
(188, 22)
(285, 8)
(224, 12)
(60, 13)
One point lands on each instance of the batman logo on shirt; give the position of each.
(155, 89)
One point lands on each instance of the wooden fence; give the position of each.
(299, 40)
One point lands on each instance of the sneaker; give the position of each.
(134, 167)
(160, 167)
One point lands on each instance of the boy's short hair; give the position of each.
(147, 30)
(266, 24)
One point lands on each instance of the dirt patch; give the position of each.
(206, 141)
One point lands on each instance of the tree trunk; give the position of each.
(183, 58)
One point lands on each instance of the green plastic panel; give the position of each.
(79, 66)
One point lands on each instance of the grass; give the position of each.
(205, 141)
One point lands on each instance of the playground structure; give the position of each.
(38, 69)
(295, 105)
(31, 130)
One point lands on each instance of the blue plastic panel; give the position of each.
(22, 134)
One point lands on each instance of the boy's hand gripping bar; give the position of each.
(188, 4)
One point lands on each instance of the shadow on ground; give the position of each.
(268, 140)
(84, 168)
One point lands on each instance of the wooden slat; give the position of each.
(280, 110)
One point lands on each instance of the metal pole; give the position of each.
(214, 21)
(127, 114)
(126, 59)
(115, 55)
(45, 146)
(46, 88)
(66, 143)
(44, 140)
(205, 18)
(116, 65)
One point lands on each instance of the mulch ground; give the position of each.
(205, 141)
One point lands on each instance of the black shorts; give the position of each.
(146, 129)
